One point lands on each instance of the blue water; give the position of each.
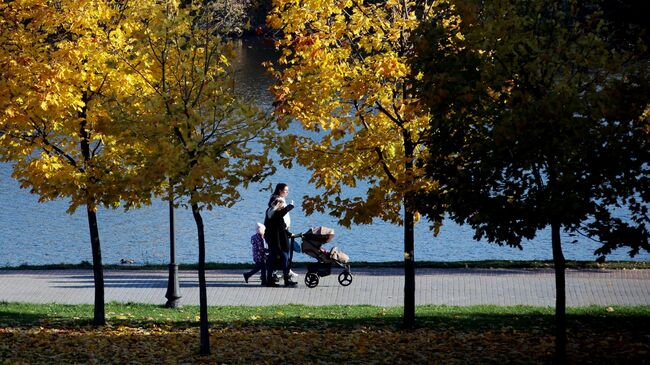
(42, 233)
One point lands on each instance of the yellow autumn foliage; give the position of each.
(344, 74)
(57, 127)
(197, 129)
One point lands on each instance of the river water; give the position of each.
(42, 233)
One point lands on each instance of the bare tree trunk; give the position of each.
(560, 295)
(99, 318)
(203, 293)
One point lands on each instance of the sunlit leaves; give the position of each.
(197, 130)
(57, 70)
(344, 75)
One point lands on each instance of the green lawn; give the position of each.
(307, 316)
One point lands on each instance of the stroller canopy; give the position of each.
(319, 234)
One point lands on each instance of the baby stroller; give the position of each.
(312, 240)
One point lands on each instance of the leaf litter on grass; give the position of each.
(253, 343)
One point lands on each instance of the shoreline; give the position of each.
(485, 264)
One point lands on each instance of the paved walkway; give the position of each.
(381, 287)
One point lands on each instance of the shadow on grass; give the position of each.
(19, 318)
(453, 337)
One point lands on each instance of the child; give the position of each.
(259, 253)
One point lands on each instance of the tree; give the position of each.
(344, 76)
(537, 121)
(55, 124)
(198, 131)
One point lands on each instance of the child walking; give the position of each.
(259, 253)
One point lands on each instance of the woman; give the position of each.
(277, 234)
(281, 192)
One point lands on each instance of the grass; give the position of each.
(298, 334)
(302, 316)
(485, 264)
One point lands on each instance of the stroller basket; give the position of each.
(321, 269)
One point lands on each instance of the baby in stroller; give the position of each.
(312, 242)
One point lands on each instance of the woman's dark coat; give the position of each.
(277, 235)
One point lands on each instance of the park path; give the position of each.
(378, 286)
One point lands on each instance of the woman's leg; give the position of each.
(284, 261)
(290, 257)
(285, 269)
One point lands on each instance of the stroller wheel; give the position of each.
(311, 280)
(345, 278)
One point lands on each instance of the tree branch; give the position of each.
(377, 149)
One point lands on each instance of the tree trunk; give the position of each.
(409, 264)
(173, 289)
(203, 293)
(409, 239)
(99, 318)
(560, 295)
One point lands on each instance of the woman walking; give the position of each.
(277, 234)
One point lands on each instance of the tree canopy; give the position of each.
(56, 123)
(343, 75)
(535, 118)
(196, 128)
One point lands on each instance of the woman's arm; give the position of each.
(282, 212)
